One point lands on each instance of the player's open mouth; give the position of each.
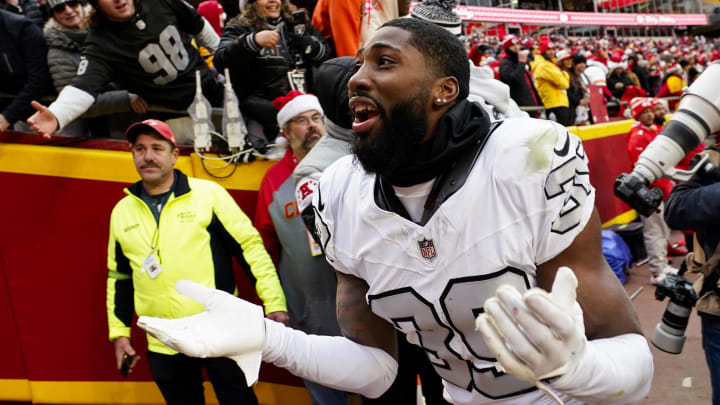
(365, 113)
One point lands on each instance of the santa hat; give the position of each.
(295, 103)
(640, 104)
(616, 62)
(562, 54)
(600, 58)
(439, 12)
(545, 45)
(509, 41)
(673, 67)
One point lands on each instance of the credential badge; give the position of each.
(427, 249)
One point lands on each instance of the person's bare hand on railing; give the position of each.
(43, 121)
(138, 104)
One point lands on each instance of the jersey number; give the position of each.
(169, 57)
(461, 301)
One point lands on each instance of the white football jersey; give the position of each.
(525, 200)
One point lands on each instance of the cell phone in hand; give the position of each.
(125, 365)
(299, 20)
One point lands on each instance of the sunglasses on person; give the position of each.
(61, 7)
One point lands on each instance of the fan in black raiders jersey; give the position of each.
(477, 239)
(144, 47)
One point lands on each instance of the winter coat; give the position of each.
(517, 76)
(551, 83)
(28, 8)
(23, 65)
(260, 71)
(65, 46)
(614, 79)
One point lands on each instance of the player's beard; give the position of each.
(402, 129)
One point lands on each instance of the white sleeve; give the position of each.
(333, 361)
(616, 370)
(70, 104)
(207, 37)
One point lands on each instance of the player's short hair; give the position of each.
(442, 50)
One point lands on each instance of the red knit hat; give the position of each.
(545, 45)
(294, 103)
(640, 104)
(509, 41)
(212, 10)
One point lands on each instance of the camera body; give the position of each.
(669, 335)
(698, 116)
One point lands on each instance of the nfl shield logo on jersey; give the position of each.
(427, 248)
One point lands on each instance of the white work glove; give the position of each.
(229, 327)
(535, 336)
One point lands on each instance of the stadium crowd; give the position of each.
(547, 75)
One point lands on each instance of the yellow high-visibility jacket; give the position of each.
(200, 230)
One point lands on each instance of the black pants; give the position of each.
(562, 115)
(412, 361)
(180, 379)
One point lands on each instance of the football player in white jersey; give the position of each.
(478, 240)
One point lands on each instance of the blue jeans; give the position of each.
(322, 395)
(711, 345)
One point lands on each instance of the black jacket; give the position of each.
(695, 205)
(613, 79)
(517, 76)
(643, 76)
(23, 65)
(29, 8)
(262, 72)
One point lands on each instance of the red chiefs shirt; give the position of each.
(639, 138)
(274, 178)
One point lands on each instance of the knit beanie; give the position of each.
(640, 104)
(439, 12)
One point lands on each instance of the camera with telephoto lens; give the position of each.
(669, 335)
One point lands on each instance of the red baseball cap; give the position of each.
(155, 126)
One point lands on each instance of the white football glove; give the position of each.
(229, 327)
(535, 336)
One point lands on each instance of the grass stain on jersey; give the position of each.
(541, 150)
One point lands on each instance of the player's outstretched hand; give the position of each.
(537, 335)
(43, 121)
(229, 327)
